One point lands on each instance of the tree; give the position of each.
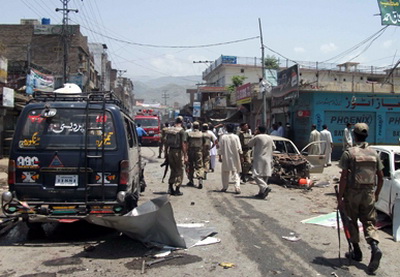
(237, 81)
(271, 62)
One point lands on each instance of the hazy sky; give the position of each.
(301, 30)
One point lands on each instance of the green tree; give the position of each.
(237, 81)
(271, 62)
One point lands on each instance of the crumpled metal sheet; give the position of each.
(151, 222)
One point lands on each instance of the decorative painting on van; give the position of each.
(106, 139)
(27, 162)
(34, 140)
(29, 177)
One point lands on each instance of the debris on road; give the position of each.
(292, 237)
(160, 260)
(7, 224)
(226, 265)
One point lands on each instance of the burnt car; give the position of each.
(290, 165)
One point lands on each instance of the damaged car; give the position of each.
(290, 166)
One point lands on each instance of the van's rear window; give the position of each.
(67, 129)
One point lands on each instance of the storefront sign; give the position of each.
(243, 94)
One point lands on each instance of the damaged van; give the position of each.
(73, 155)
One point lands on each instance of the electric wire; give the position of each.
(358, 45)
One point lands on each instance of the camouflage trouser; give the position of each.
(206, 159)
(196, 169)
(359, 204)
(176, 166)
(246, 165)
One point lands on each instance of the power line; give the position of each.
(172, 46)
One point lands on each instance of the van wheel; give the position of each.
(131, 201)
(35, 230)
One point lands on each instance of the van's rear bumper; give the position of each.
(39, 211)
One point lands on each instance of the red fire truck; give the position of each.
(150, 122)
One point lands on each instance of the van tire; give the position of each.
(131, 201)
(35, 231)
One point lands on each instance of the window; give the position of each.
(67, 130)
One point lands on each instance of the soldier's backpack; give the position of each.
(207, 141)
(173, 138)
(195, 139)
(363, 165)
(245, 138)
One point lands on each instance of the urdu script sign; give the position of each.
(390, 12)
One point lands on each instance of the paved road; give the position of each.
(250, 230)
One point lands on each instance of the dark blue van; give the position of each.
(71, 156)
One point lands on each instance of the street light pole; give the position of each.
(264, 98)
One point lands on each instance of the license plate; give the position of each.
(66, 181)
(151, 132)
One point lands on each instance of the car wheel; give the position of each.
(131, 201)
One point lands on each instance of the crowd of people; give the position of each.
(194, 148)
(246, 156)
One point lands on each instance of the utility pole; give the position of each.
(165, 96)
(264, 98)
(65, 36)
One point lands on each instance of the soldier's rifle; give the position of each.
(346, 222)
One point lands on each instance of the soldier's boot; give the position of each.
(178, 192)
(171, 190)
(200, 183)
(355, 254)
(376, 255)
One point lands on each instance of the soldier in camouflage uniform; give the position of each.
(162, 141)
(195, 144)
(360, 166)
(176, 151)
(245, 136)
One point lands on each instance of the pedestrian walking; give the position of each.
(315, 149)
(328, 145)
(347, 138)
(213, 150)
(274, 131)
(176, 153)
(230, 151)
(263, 147)
(281, 130)
(244, 137)
(209, 141)
(361, 167)
(162, 141)
(195, 144)
(140, 132)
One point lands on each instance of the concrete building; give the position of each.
(312, 93)
(41, 47)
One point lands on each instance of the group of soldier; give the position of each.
(189, 149)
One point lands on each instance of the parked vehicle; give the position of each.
(290, 165)
(73, 155)
(151, 123)
(390, 156)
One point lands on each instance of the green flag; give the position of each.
(390, 12)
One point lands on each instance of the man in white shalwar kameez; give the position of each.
(328, 145)
(230, 151)
(314, 149)
(263, 147)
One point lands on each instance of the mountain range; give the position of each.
(153, 90)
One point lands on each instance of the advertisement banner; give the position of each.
(390, 12)
(37, 81)
(8, 97)
(288, 81)
(196, 109)
(243, 94)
